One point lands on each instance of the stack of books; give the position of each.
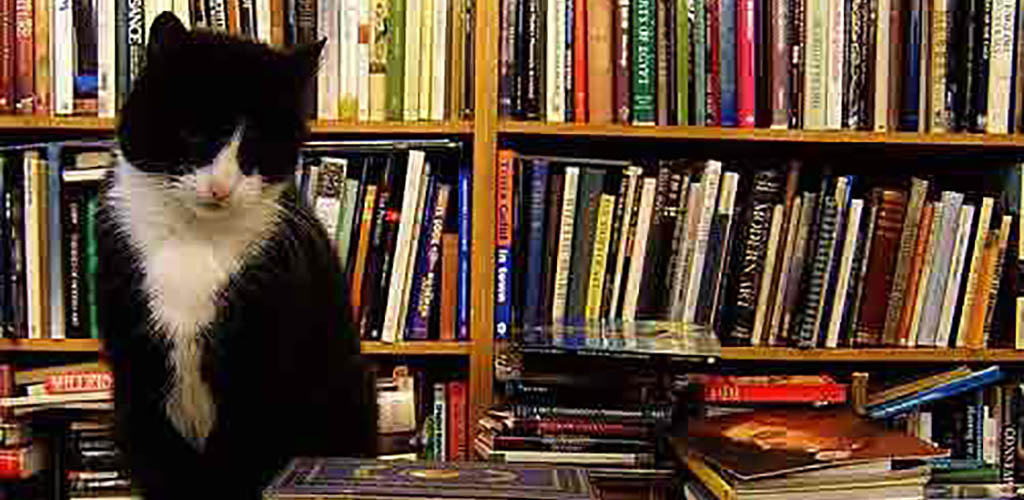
(915, 65)
(399, 218)
(95, 467)
(801, 454)
(814, 258)
(78, 387)
(422, 417)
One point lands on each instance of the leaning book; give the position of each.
(326, 478)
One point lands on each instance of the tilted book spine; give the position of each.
(425, 194)
(588, 200)
(974, 269)
(952, 292)
(727, 62)
(997, 274)
(632, 293)
(598, 262)
(908, 238)
(881, 261)
(717, 260)
(816, 272)
(678, 250)
(951, 203)
(842, 195)
(616, 225)
(779, 334)
(643, 70)
(425, 289)
(556, 188)
(745, 64)
(759, 333)
(503, 242)
(788, 324)
(410, 201)
(922, 288)
(845, 273)
(914, 276)
(561, 288)
(709, 191)
(622, 67)
(680, 282)
(629, 214)
(780, 61)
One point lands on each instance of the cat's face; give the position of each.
(216, 120)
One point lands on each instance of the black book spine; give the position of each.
(655, 288)
(765, 192)
(378, 257)
(73, 263)
(957, 69)
(796, 63)
(858, 66)
(567, 64)
(588, 199)
(305, 33)
(533, 64)
(671, 62)
(762, 64)
(1009, 439)
(18, 304)
(556, 186)
(978, 100)
(518, 62)
(6, 267)
(618, 219)
(507, 57)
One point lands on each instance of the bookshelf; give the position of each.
(871, 355)
(412, 348)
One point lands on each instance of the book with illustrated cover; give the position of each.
(772, 443)
(358, 478)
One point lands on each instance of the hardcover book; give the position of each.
(356, 478)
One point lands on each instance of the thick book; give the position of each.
(885, 243)
(643, 62)
(355, 478)
(600, 62)
(536, 173)
(622, 47)
(937, 278)
(952, 292)
(588, 201)
(908, 239)
(727, 62)
(812, 389)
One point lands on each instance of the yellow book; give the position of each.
(426, 49)
(599, 260)
(709, 478)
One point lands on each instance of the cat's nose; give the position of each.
(220, 191)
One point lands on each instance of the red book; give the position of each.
(7, 10)
(714, 82)
(745, 92)
(6, 388)
(458, 439)
(67, 383)
(579, 60)
(813, 389)
(17, 75)
(20, 463)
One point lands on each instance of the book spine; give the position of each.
(940, 268)
(797, 62)
(362, 247)
(938, 112)
(885, 247)
(881, 66)
(902, 334)
(552, 77)
(952, 291)
(503, 240)
(856, 114)
(532, 59)
(636, 263)
(974, 270)
(17, 78)
(1008, 435)
(997, 273)
(54, 234)
(727, 62)
(661, 61)
(395, 70)
(725, 392)
(63, 58)
(600, 60)
(557, 111)
(441, 423)
(579, 61)
(457, 59)
(327, 82)
(43, 46)
(745, 70)
(74, 264)
(977, 110)
(616, 229)
(816, 71)
(760, 334)
(534, 200)
(720, 255)
(449, 308)
(780, 335)
(424, 196)
(622, 62)
(902, 405)
(1000, 66)
(699, 47)
(643, 70)
(556, 188)
(628, 215)
(599, 260)
(568, 66)
(922, 288)
(709, 191)
(397, 288)
(909, 97)
(835, 57)
(824, 228)
(588, 200)
(908, 240)
(427, 277)
(442, 47)
(840, 304)
(683, 62)
(458, 416)
(106, 64)
(565, 246)
(713, 88)
(780, 62)
(413, 47)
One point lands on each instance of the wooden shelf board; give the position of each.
(49, 345)
(759, 135)
(872, 355)
(31, 123)
(417, 348)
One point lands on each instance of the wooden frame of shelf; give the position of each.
(417, 348)
(78, 124)
(49, 345)
(873, 355)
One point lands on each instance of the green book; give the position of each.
(682, 62)
(643, 62)
(396, 61)
(91, 266)
(980, 475)
(700, 103)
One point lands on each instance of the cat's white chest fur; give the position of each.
(188, 261)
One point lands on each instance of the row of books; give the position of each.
(400, 221)
(766, 255)
(95, 466)
(935, 66)
(48, 258)
(421, 417)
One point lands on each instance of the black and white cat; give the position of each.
(221, 301)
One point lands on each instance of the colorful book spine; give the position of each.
(17, 78)
(643, 70)
(403, 247)
(599, 260)
(427, 280)
(565, 246)
(622, 47)
(727, 62)
(579, 61)
(975, 380)
(951, 203)
(465, 239)
(952, 292)
(780, 61)
(745, 68)
(683, 62)
(881, 263)
(698, 46)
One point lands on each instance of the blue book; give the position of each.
(414, 328)
(534, 281)
(424, 294)
(950, 389)
(727, 62)
(505, 229)
(909, 119)
(465, 237)
(54, 233)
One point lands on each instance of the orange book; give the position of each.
(41, 27)
(277, 23)
(449, 284)
(599, 57)
(356, 290)
(579, 60)
(975, 334)
(234, 17)
(914, 275)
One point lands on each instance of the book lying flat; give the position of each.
(326, 478)
(773, 443)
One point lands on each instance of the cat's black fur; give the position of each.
(281, 358)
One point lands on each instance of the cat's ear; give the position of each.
(166, 35)
(307, 58)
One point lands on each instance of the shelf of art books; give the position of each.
(420, 348)
(871, 355)
(49, 345)
(35, 123)
(531, 128)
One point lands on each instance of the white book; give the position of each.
(789, 241)
(407, 218)
(564, 261)
(364, 37)
(926, 271)
(439, 89)
(55, 399)
(636, 263)
(33, 246)
(349, 59)
(557, 112)
(940, 263)
(924, 430)
(106, 64)
(816, 64)
(774, 233)
(63, 57)
(681, 284)
(328, 209)
(262, 18)
(426, 48)
(709, 195)
(990, 436)
(410, 268)
(1000, 66)
(881, 68)
(551, 78)
(632, 190)
(836, 61)
(327, 77)
(974, 269)
(411, 103)
(955, 272)
(183, 10)
(845, 272)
